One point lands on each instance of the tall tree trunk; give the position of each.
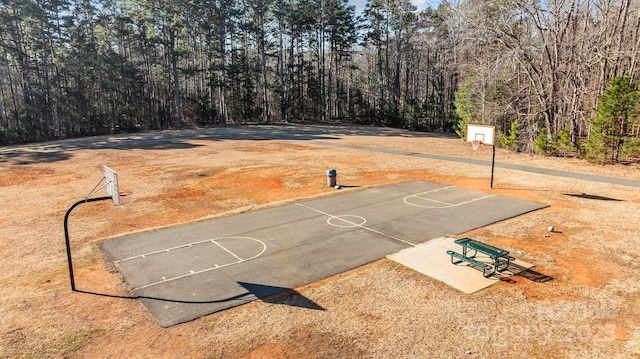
(176, 82)
(266, 116)
(281, 81)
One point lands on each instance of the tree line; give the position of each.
(81, 67)
(535, 69)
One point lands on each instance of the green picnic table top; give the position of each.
(491, 251)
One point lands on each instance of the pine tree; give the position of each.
(618, 109)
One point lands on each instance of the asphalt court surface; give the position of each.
(185, 272)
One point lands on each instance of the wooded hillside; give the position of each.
(82, 67)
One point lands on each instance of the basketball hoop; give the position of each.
(125, 200)
(482, 135)
(110, 184)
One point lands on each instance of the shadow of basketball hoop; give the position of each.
(280, 295)
(594, 197)
(266, 293)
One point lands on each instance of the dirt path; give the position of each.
(589, 308)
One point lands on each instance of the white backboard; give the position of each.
(111, 184)
(480, 133)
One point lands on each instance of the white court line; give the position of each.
(358, 225)
(226, 250)
(475, 199)
(445, 204)
(341, 218)
(191, 273)
(429, 199)
(165, 280)
(166, 250)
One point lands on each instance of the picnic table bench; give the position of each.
(500, 258)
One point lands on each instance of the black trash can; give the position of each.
(331, 178)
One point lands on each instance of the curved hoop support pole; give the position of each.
(66, 234)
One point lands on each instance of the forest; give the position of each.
(558, 77)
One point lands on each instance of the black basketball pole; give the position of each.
(493, 163)
(66, 234)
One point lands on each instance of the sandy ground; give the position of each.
(584, 301)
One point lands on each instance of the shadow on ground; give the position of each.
(180, 139)
(266, 293)
(594, 197)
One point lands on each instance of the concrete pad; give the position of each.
(431, 259)
(184, 272)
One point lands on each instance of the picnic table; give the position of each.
(500, 258)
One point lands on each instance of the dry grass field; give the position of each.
(588, 306)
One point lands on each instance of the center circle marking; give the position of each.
(346, 221)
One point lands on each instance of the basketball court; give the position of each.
(185, 272)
